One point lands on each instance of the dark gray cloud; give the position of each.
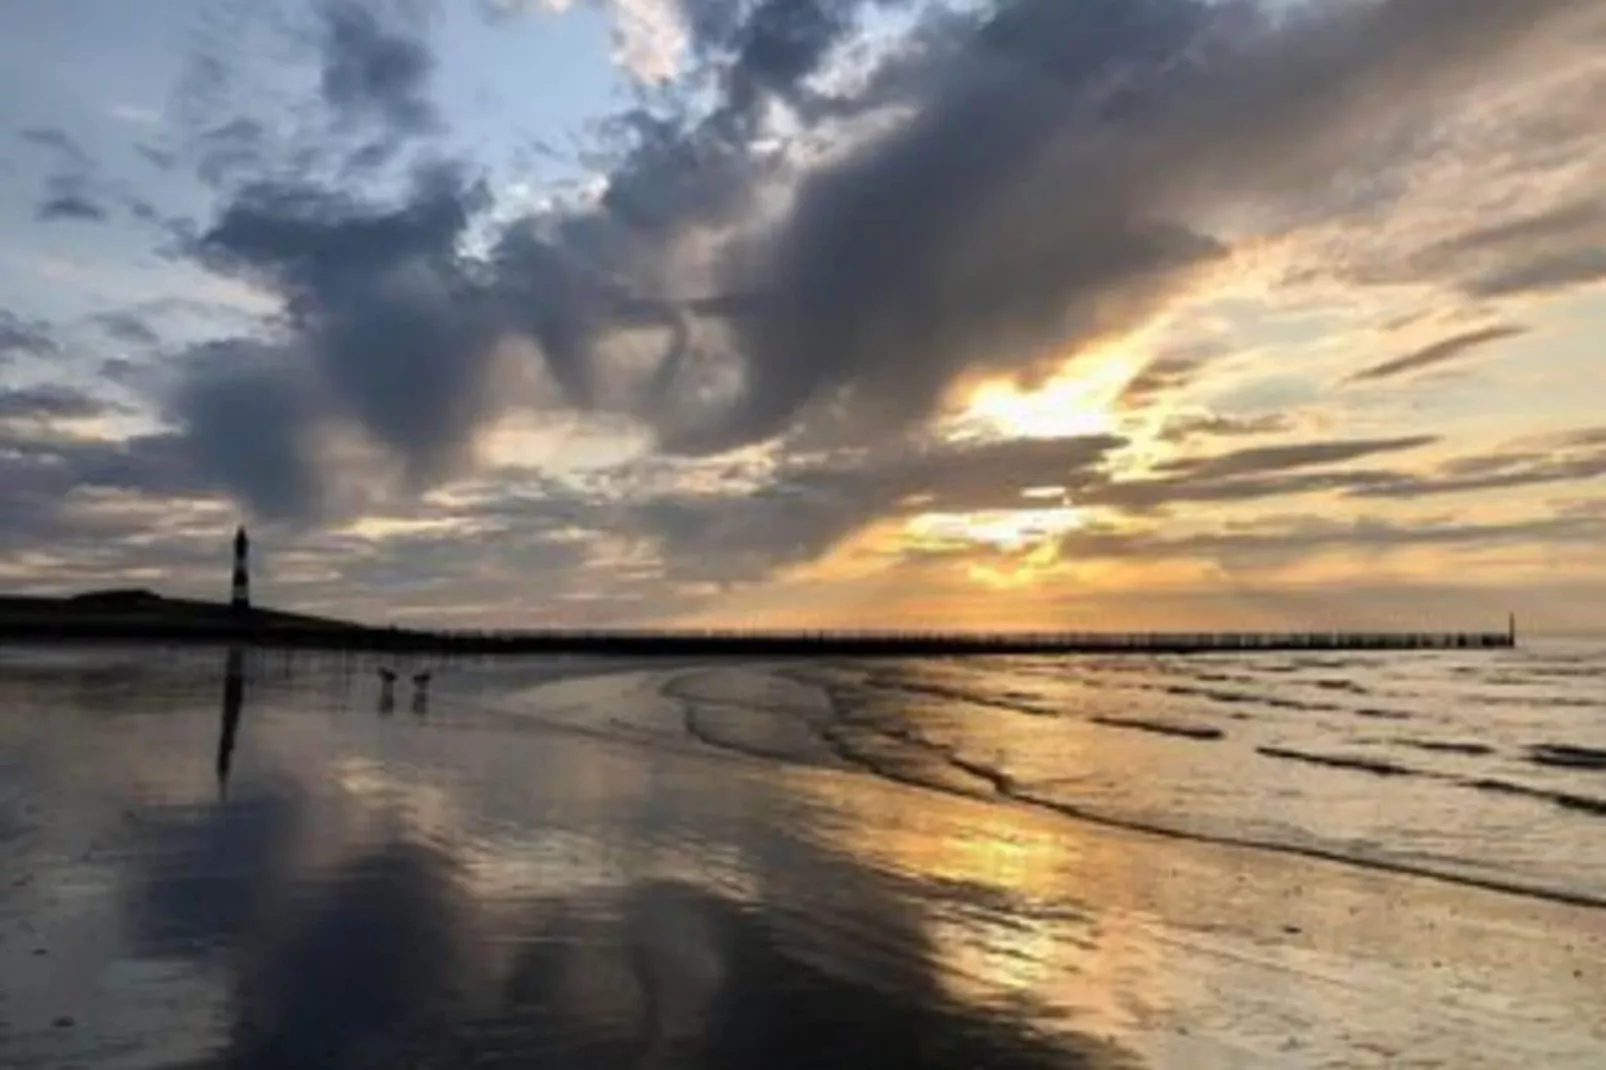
(1273, 543)
(18, 335)
(1556, 249)
(50, 402)
(374, 69)
(70, 206)
(60, 144)
(250, 424)
(771, 48)
(812, 504)
(951, 242)
(43, 472)
(160, 158)
(1561, 270)
(128, 328)
(1266, 474)
(386, 327)
(1046, 178)
(77, 190)
(123, 372)
(1507, 473)
(371, 68)
(231, 151)
(1168, 372)
(1264, 460)
(72, 191)
(1441, 352)
(1042, 190)
(1559, 222)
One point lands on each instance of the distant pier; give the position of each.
(264, 630)
(928, 644)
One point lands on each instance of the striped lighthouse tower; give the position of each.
(240, 589)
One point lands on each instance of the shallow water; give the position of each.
(584, 863)
(1489, 766)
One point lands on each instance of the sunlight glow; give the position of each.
(570, 442)
(387, 527)
(1012, 531)
(1079, 399)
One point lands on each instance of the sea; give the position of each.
(257, 858)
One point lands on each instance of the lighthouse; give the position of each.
(240, 589)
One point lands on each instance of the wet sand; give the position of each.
(677, 866)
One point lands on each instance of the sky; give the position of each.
(1038, 314)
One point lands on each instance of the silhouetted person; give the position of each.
(233, 702)
(421, 692)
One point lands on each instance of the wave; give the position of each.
(1375, 766)
(882, 743)
(1163, 728)
(994, 700)
(1567, 756)
(1446, 746)
(1378, 714)
(1566, 800)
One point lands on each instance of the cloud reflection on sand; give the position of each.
(608, 910)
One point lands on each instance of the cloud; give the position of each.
(126, 328)
(385, 328)
(70, 207)
(1560, 271)
(1047, 175)
(1262, 460)
(1556, 249)
(651, 37)
(951, 242)
(46, 475)
(357, 95)
(231, 151)
(374, 71)
(1268, 473)
(50, 402)
(1167, 373)
(251, 427)
(1186, 428)
(68, 193)
(1044, 190)
(61, 144)
(1504, 471)
(809, 505)
(1270, 543)
(76, 190)
(1441, 352)
(18, 335)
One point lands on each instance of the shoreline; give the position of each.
(665, 684)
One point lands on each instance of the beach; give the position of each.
(1244, 860)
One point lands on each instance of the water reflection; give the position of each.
(233, 703)
(421, 693)
(363, 917)
(381, 971)
(387, 691)
(563, 876)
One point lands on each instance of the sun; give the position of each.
(1080, 399)
(1011, 532)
